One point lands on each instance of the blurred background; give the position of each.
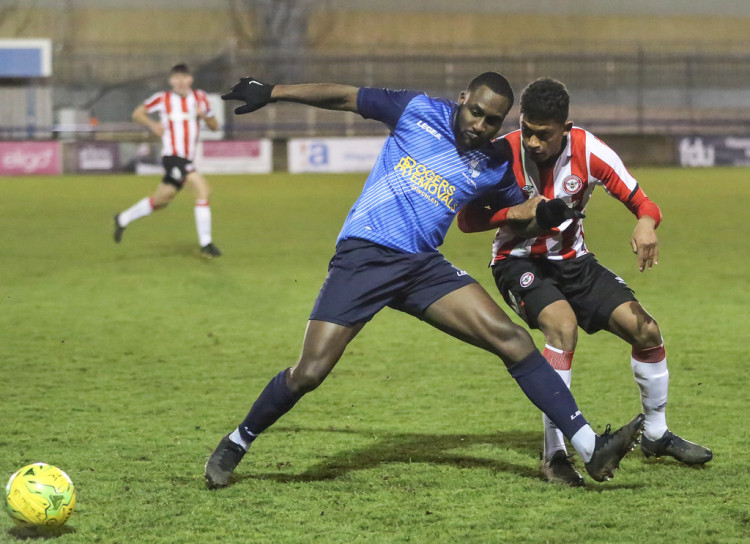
(664, 82)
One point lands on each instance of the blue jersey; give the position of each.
(420, 179)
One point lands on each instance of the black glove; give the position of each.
(550, 213)
(252, 92)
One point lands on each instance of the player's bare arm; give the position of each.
(328, 96)
(645, 243)
(140, 116)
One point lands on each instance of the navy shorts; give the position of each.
(593, 291)
(176, 170)
(364, 277)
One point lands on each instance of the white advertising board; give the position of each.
(333, 155)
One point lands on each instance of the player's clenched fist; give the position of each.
(252, 92)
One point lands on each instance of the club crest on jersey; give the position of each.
(473, 172)
(572, 184)
(527, 279)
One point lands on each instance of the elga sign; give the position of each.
(714, 151)
(30, 158)
(333, 155)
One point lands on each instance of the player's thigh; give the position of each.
(470, 314)
(593, 291)
(559, 324)
(631, 322)
(528, 286)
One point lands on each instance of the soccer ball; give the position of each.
(40, 495)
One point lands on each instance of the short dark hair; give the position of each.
(180, 68)
(545, 99)
(495, 82)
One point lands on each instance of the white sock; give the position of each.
(203, 222)
(653, 381)
(236, 437)
(584, 441)
(142, 208)
(561, 360)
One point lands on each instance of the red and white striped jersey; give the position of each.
(585, 163)
(179, 117)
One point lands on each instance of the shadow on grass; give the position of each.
(34, 533)
(437, 449)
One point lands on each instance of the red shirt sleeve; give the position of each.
(474, 217)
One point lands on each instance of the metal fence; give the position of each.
(635, 92)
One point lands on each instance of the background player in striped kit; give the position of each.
(554, 283)
(180, 112)
(437, 157)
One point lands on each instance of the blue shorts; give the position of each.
(364, 277)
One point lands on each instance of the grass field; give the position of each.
(125, 364)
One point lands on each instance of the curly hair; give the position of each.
(545, 99)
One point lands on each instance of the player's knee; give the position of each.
(648, 335)
(562, 334)
(158, 204)
(306, 378)
(513, 343)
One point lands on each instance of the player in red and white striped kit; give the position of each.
(552, 281)
(180, 113)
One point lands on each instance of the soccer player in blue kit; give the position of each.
(438, 156)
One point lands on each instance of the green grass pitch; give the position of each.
(125, 364)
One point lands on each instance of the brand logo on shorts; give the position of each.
(572, 184)
(460, 273)
(528, 189)
(527, 279)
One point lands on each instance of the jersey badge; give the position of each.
(473, 172)
(572, 184)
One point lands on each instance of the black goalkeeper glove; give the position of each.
(550, 213)
(252, 92)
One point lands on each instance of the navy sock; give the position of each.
(548, 392)
(275, 401)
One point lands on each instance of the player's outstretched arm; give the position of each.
(256, 94)
(330, 96)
